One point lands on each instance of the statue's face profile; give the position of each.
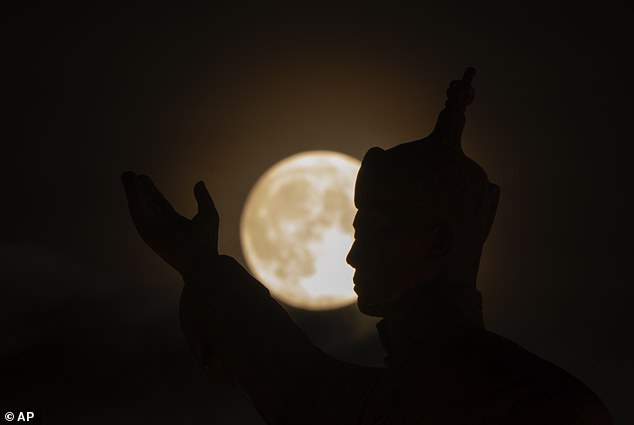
(424, 211)
(389, 257)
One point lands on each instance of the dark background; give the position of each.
(88, 314)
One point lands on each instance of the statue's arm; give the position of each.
(237, 330)
(233, 326)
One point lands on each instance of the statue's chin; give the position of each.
(371, 309)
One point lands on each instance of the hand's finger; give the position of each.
(468, 75)
(156, 196)
(206, 205)
(142, 208)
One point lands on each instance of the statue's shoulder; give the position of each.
(520, 384)
(496, 358)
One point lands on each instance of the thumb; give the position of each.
(206, 205)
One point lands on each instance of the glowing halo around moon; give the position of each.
(296, 229)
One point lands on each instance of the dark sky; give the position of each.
(89, 315)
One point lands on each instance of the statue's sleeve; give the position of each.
(230, 319)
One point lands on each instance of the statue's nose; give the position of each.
(351, 258)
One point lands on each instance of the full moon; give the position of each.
(296, 229)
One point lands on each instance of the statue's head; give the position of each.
(424, 212)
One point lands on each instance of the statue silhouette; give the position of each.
(424, 212)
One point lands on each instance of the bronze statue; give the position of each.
(424, 212)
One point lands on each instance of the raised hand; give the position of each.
(460, 94)
(451, 120)
(181, 242)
